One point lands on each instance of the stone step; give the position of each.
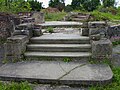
(78, 19)
(59, 47)
(58, 54)
(60, 39)
(59, 24)
(81, 16)
(54, 72)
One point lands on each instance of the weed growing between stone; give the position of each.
(50, 29)
(116, 43)
(67, 59)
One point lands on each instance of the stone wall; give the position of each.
(101, 27)
(7, 24)
(114, 31)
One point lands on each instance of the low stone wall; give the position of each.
(114, 31)
(102, 27)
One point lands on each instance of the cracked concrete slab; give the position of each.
(56, 72)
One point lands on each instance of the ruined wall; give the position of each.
(7, 24)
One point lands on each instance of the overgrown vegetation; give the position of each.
(116, 43)
(15, 6)
(54, 16)
(15, 86)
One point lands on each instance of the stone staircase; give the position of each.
(57, 58)
(77, 17)
(59, 46)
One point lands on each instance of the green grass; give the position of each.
(15, 86)
(50, 29)
(54, 16)
(104, 16)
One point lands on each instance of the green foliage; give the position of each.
(54, 16)
(35, 5)
(68, 8)
(116, 43)
(67, 60)
(15, 6)
(59, 4)
(2, 40)
(50, 30)
(91, 5)
(15, 86)
(108, 3)
(88, 5)
(104, 16)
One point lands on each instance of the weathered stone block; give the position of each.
(15, 47)
(85, 31)
(97, 24)
(37, 32)
(95, 37)
(39, 17)
(102, 49)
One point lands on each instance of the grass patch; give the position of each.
(116, 43)
(50, 29)
(2, 40)
(15, 86)
(67, 59)
(98, 16)
(54, 16)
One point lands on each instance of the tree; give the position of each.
(77, 4)
(108, 3)
(88, 5)
(35, 5)
(91, 5)
(59, 4)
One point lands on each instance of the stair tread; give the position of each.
(59, 45)
(59, 54)
(59, 36)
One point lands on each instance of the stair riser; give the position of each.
(58, 49)
(65, 59)
(60, 41)
(62, 26)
